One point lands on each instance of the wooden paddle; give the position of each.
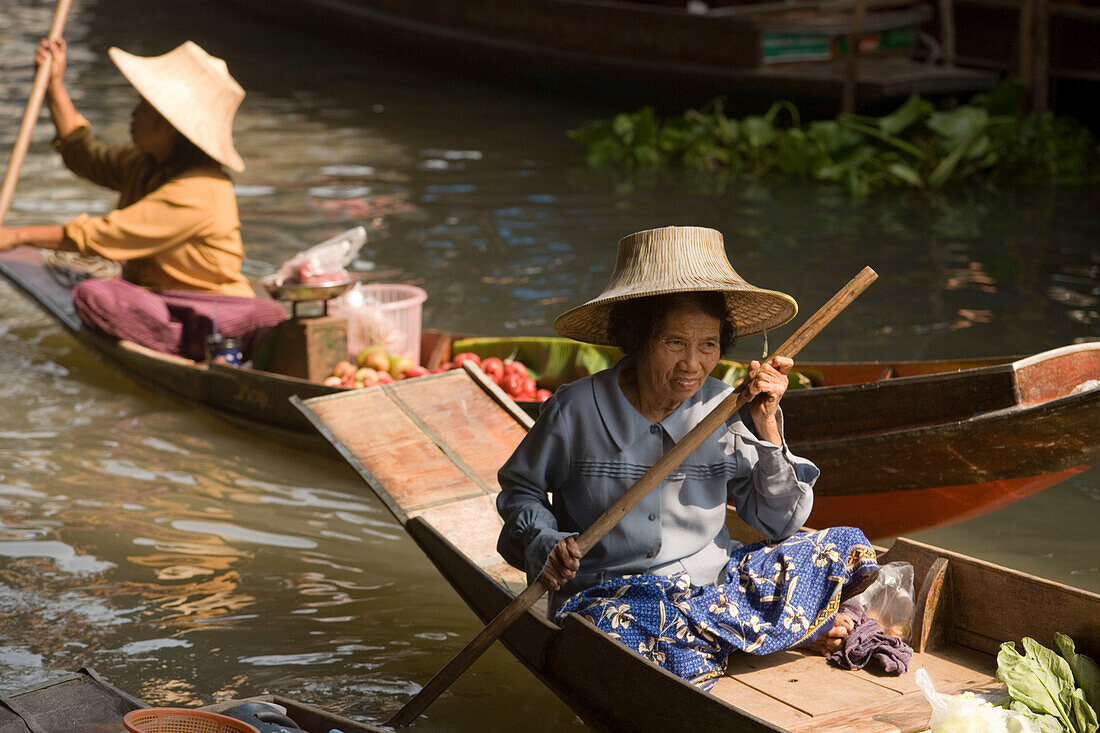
(677, 455)
(30, 116)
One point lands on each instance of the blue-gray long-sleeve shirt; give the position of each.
(590, 445)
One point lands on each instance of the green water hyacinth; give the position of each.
(914, 147)
(1045, 686)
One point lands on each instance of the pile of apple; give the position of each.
(511, 376)
(375, 366)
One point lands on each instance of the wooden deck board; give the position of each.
(905, 714)
(805, 693)
(805, 682)
(471, 525)
(414, 472)
(751, 700)
(945, 665)
(456, 410)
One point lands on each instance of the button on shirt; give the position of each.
(590, 445)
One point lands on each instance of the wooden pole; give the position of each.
(30, 116)
(1040, 84)
(947, 31)
(588, 539)
(1027, 16)
(851, 78)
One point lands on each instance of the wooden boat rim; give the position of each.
(1060, 351)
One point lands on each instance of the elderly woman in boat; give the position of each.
(176, 229)
(668, 580)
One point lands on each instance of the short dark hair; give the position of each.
(184, 156)
(632, 323)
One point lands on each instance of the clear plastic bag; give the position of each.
(323, 263)
(969, 713)
(889, 600)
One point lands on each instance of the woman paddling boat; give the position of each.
(176, 229)
(668, 580)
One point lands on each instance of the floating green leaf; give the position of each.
(915, 146)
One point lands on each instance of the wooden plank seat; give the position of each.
(802, 692)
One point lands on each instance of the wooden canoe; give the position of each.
(85, 701)
(902, 446)
(790, 49)
(433, 461)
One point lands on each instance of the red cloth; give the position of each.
(173, 321)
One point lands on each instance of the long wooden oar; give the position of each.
(30, 116)
(677, 455)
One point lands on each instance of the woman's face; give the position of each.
(678, 358)
(150, 132)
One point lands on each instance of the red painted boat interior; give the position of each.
(1038, 381)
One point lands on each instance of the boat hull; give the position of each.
(893, 513)
(668, 51)
(84, 701)
(439, 484)
(902, 447)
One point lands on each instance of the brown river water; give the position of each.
(187, 560)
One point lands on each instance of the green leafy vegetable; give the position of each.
(1086, 673)
(1084, 717)
(1045, 723)
(1043, 683)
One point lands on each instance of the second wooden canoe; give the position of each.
(902, 446)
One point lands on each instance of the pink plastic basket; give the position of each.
(389, 315)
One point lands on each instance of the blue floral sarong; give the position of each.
(775, 596)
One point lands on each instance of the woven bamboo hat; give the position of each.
(677, 260)
(193, 91)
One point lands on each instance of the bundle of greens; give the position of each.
(1060, 694)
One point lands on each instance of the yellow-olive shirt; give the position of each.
(182, 233)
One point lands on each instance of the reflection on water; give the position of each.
(188, 560)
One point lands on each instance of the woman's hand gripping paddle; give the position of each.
(34, 105)
(677, 455)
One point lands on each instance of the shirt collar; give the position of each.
(691, 411)
(625, 424)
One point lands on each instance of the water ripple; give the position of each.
(64, 556)
(234, 532)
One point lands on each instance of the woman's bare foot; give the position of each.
(832, 639)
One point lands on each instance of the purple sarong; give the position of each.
(173, 321)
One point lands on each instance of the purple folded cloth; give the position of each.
(867, 643)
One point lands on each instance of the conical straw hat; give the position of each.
(193, 91)
(677, 260)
